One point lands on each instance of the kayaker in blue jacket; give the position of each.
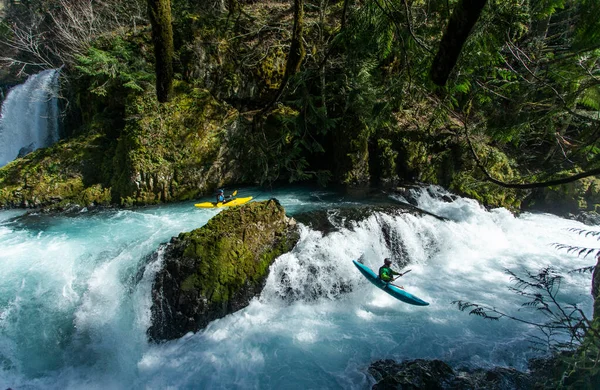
(386, 274)
(221, 198)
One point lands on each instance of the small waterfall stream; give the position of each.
(29, 119)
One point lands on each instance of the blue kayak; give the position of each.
(388, 288)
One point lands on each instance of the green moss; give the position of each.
(167, 151)
(234, 248)
(582, 194)
(65, 173)
(272, 68)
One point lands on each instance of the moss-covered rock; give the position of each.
(171, 151)
(568, 198)
(217, 269)
(56, 177)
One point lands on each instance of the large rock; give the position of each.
(435, 374)
(217, 269)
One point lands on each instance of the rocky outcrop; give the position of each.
(59, 177)
(174, 151)
(435, 374)
(334, 219)
(217, 269)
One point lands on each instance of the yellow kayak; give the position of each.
(231, 203)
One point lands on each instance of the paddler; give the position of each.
(386, 273)
(221, 198)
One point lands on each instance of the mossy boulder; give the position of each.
(172, 151)
(216, 270)
(57, 177)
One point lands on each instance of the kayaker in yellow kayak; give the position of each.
(221, 198)
(224, 201)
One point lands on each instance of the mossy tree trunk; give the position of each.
(463, 18)
(232, 6)
(297, 51)
(162, 36)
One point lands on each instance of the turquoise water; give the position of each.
(75, 297)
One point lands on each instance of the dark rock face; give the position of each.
(416, 374)
(590, 218)
(435, 374)
(332, 220)
(217, 269)
(596, 290)
(25, 150)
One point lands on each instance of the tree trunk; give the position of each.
(297, 51)
(162, 36)
(463, 18)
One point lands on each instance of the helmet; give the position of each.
(387, 260)
(220, 191)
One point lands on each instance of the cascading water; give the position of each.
(30, 116)
(75, 298)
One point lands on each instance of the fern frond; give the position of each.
(583, 270)
(578, 250)
(586, 232)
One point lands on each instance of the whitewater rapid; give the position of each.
(75, 297)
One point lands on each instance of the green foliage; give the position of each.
(590, 98)
(113, 65)
(588, 26)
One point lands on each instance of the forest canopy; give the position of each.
(453, 92)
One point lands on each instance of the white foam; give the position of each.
(75, 300)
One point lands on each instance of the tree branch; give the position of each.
(526, 186)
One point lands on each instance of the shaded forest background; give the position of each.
(326, 91)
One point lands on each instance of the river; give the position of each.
(75, 297)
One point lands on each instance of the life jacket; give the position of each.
(385, 273)
(220, 198)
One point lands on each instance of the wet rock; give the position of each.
(331, 220)
(436, 374)
(25, 150)
(590, 218)
(415, 374)
(217, 269)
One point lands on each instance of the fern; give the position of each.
(590, 98)
(586, 232)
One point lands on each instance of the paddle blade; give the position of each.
(234, 193)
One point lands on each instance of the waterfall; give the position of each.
(30, 117)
